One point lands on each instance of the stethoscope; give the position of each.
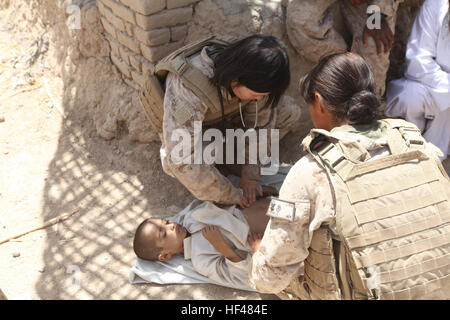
(240, 113)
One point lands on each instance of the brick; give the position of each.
(120, 10)
(154, 54)
(171, 4)
(166, 18)
(125, 54)
(109, 28)
(138, 78)
(128, 42)
(178, 33)
(114, 20)
(145, 7)
(114, 45)
(121, 65)
(155, 37)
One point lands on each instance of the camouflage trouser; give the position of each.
(311, 30)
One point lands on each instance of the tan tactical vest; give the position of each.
(152, 94)
(392, 216)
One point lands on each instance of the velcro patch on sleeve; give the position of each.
(182, 115)
(281, 209)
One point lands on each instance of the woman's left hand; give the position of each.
(250, 187)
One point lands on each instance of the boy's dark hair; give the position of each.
(345, 81)
(259, 62)
(143, 244)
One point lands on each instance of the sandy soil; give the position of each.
(51, 165)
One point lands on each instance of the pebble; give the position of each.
(16, 254)
(141, 187)
(5, 151)
(42, 270)
(2, 118)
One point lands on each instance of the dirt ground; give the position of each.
(52, 164)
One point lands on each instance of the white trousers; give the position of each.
(413, 102)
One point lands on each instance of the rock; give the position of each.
(2, 118)
(16, 254)
(41, 270)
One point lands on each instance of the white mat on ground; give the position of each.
(180, 271)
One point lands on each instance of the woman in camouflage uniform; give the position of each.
(253, 72)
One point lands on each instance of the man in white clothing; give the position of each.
(423, 95)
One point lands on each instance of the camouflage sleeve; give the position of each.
(285, 244)
(181, 109)
(310, 28)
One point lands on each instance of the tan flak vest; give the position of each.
(152, 94)
(392, 217)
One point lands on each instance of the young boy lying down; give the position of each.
(218, 241)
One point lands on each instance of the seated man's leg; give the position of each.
(411, 101)
(408, 100)
(438, 132)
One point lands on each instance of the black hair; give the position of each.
(259, 62)
(144, 245)
(345, 81)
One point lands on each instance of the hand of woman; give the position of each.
(249, 187)
(254, 239)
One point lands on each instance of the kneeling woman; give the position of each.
(223, 85)
(364, 215)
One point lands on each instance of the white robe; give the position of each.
(423, 95)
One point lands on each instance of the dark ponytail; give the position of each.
(345, 82)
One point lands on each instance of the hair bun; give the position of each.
(362, 107)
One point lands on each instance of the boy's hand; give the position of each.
(213, 235)
(254, 239)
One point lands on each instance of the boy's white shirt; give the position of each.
(205, 258)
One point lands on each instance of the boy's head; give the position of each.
(158, 239)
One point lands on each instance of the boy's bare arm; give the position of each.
(213, 235)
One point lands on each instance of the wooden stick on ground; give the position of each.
(45, 225)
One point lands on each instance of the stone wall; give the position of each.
(141, 32)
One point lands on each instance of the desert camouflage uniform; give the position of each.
(278, 264)
(311, 31)
(205, 181)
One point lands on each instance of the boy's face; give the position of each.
(169, 236)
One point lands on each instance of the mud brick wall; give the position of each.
(141, 32)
